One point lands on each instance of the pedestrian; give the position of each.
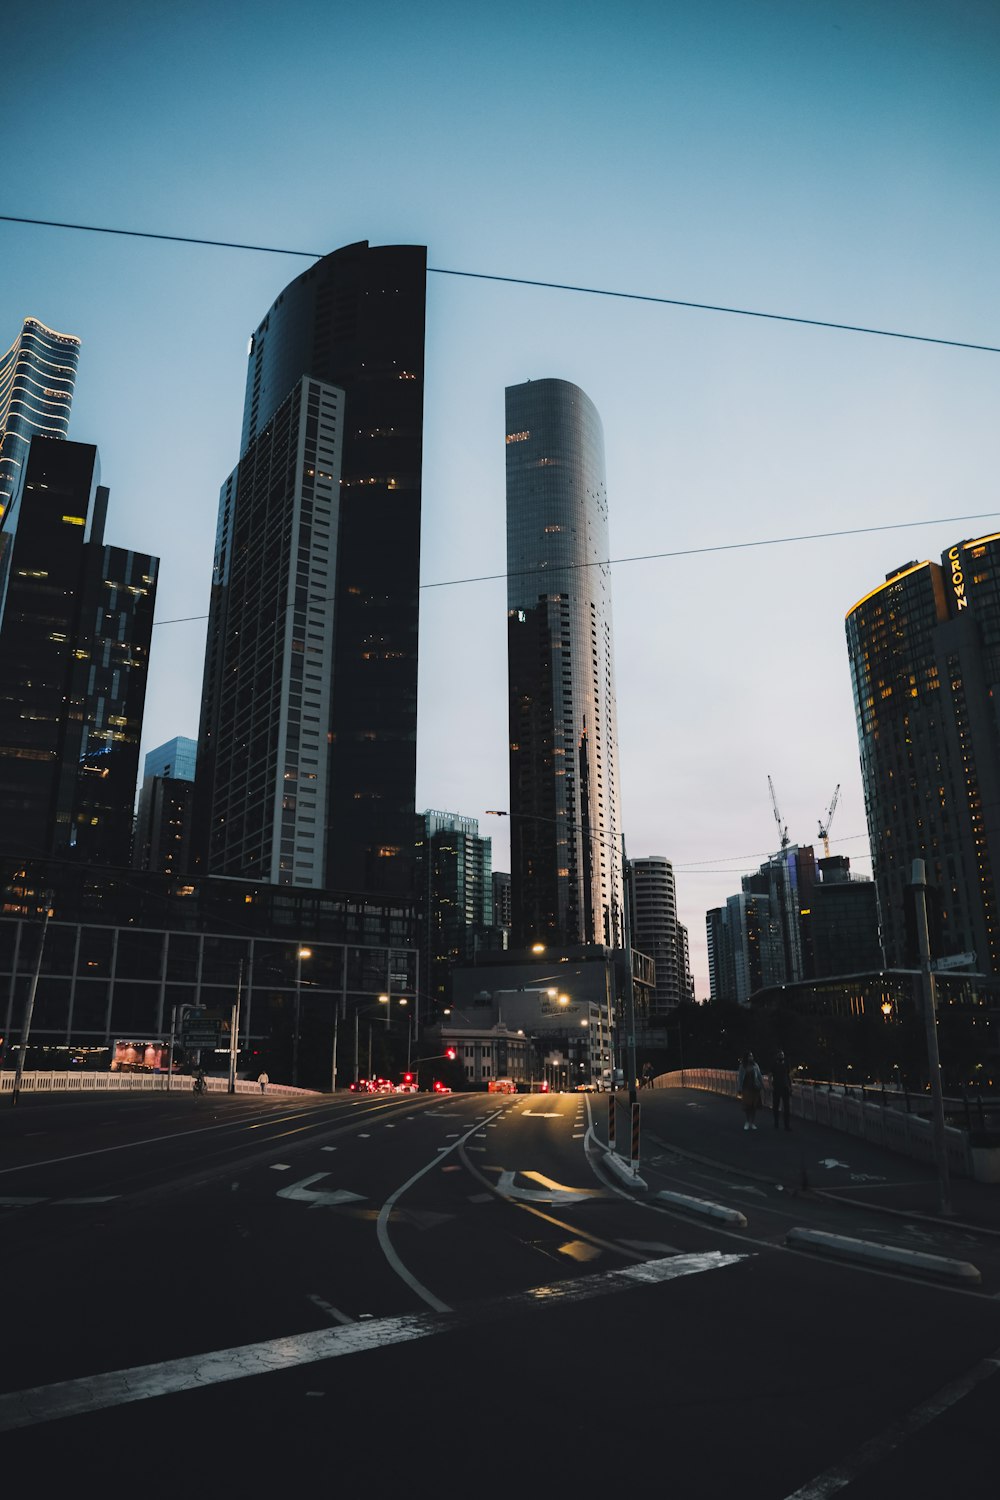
(263, 1080)
(781, 1089)
(749, 1086)
(647, 1076)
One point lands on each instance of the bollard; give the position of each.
(611, 1119)
(636, 1110)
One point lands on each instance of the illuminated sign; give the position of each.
(958, 579)
(518, 437)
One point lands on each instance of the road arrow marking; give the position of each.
(301, 1192)
(550, 1192)
(831, 1161)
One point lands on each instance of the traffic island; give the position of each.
(868, 1252)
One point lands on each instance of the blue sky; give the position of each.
(828, 160)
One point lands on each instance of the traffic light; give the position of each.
(407, 1077)
(451, 1053)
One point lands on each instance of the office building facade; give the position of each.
(74, 658)
(566, 854)
(37, 376)
(924, 649)
(456, 895)
(164, 817)
(307, 747)
(656, 931)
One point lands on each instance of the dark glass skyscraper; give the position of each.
(566, 856)
(74, 656)
(924, 648)
(37, 375)
(307, 750)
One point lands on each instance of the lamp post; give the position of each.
(300, 954)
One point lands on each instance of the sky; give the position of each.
(834, 160)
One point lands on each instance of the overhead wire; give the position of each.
(555, 286)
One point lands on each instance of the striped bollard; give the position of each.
(636, 1109)
(611, 1119)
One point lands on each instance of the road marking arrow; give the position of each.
(551, 1192)
(302, 1193)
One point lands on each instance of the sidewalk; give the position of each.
(810, 1158)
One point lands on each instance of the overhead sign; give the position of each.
(199, 1031)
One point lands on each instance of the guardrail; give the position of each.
(143, 1083)
(885, 1123)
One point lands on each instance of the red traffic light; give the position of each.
(407, 1077)
(451, 1052)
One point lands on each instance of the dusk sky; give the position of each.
(832, 161)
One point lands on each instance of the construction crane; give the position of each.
(824, 827)
(782, 828)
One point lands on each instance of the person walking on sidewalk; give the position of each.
(781, 1089)
(750, 1087)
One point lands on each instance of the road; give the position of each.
(432, 1291)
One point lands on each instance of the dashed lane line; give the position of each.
(69, 1398)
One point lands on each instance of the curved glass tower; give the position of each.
(37, 374)
(565, 826)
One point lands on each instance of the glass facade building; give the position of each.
(74, 657)
(307, 750)
(454, 865)
(924, 650)
(566, 855)
(37, 375)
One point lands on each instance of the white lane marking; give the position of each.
(543, 1114)
(281, 1166)
(19, 1202)
(884, 1443)
(152, 1140)
(302, 1193)
(382, 1227)
(328, 1148)
(110, 1198)
(331, 1312)
(68, 1398)
(364, 1136)
(549, 1192)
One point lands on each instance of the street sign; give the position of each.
(199, 1031)
(955, 961)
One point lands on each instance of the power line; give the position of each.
(555, 286)
(773, 541)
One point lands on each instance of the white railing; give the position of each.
(884, 1124)
(145, 1083)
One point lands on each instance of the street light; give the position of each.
(300, 954)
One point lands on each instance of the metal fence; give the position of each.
(879, 1116)
(145, 1083)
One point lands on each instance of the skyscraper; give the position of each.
(565, 832)
(165, 813)
(37, 375)
(656, 931)
(924, 649)
(456, 897)
(74, 655)
(307, 749)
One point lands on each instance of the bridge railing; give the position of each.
(145, 1083)
(839, 1107)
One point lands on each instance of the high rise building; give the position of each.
(454, 865)
(656, 931)
(307, 747)
(501, 899)
(566, 855)
(37, 375)
(924, 649)
(744, 948)
(164, 817)
(74, 655)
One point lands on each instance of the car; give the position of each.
(501, 1086)
(441, 1088)
(361, 1086)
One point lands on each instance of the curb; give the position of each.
(703, 1206)
(868, 1252)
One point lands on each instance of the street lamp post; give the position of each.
(300, 954)
(30, 1007)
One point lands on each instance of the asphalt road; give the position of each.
(431, 1292)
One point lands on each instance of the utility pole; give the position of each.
(919, 882)
(30, 1007)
